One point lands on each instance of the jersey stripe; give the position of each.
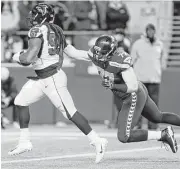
(131, 113)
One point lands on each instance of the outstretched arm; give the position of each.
(130, 80)
(72, 52)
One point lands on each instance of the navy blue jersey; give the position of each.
(119, 62)
(113, 68)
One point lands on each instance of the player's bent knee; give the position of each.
(66, 114)
(122, 137)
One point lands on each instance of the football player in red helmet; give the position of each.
(40, 14)
(115, 68)
(47, 44)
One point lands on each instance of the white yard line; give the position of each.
(78, 155)
(68, 134)
(9, 140)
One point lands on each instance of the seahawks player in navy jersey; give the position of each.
(115, 68)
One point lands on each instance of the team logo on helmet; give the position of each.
(42, 8)
(39, 14)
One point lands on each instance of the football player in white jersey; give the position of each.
(45, 53)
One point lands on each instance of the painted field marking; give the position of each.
(69, 134)
(9, 140)
(78, 155)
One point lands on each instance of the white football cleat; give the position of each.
(100, 146)
(22, 147)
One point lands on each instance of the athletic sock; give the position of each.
(24, 135)
(93, 136)
(154, 135)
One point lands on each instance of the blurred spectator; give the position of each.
(123, 41)
(61, 13)
(10, 16)
(117, 15)
(101, 14)
(86, 14)
(8, 94)
(10, 45)
(148, 61)
(24, 8)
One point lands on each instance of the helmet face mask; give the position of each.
(104, 47)
(101, 55)
(30, 20)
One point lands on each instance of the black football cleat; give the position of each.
(167, 136)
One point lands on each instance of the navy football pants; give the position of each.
(139, 103)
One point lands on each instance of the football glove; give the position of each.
(16, 58)
(107, 83)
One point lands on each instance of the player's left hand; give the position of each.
(107, 83)
(17, 55)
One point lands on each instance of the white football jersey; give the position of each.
(47, 55)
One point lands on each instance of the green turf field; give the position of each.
(67, 148)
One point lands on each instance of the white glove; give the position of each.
(17, 55)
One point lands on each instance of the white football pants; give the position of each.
(54, 87)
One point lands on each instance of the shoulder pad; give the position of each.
(121, 59)
(36, 32)
(127, 59)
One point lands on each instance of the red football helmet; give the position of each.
(104, 46)
(39, 14)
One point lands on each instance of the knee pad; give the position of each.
(122, 137)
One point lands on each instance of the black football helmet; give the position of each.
(104, 46)
(39, 14)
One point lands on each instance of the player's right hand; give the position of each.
(107, 83)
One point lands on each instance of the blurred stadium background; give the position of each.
(82, 22)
